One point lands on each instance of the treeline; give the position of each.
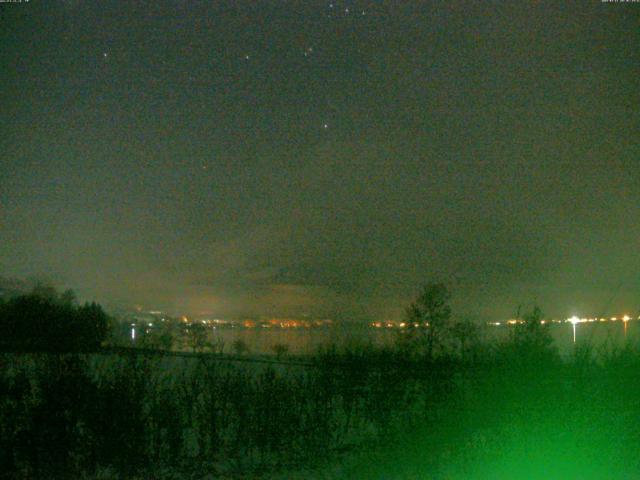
(47, 321)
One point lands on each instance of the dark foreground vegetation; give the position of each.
(47, 321)
(375, 413)
(420, 410)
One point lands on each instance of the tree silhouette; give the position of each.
(197, 334)
(428, 317)
(532, 332)
(166, 337)
(465, 332)
(92, 326)
(43, 321)
(530, 342)
(68, 297)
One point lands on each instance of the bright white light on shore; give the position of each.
(574, 321)
(626, 318)
(133, 333)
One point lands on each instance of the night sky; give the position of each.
(290, 158)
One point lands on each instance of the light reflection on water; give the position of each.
(301, 341)
(598, 335)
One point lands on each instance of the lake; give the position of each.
(301, 341)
